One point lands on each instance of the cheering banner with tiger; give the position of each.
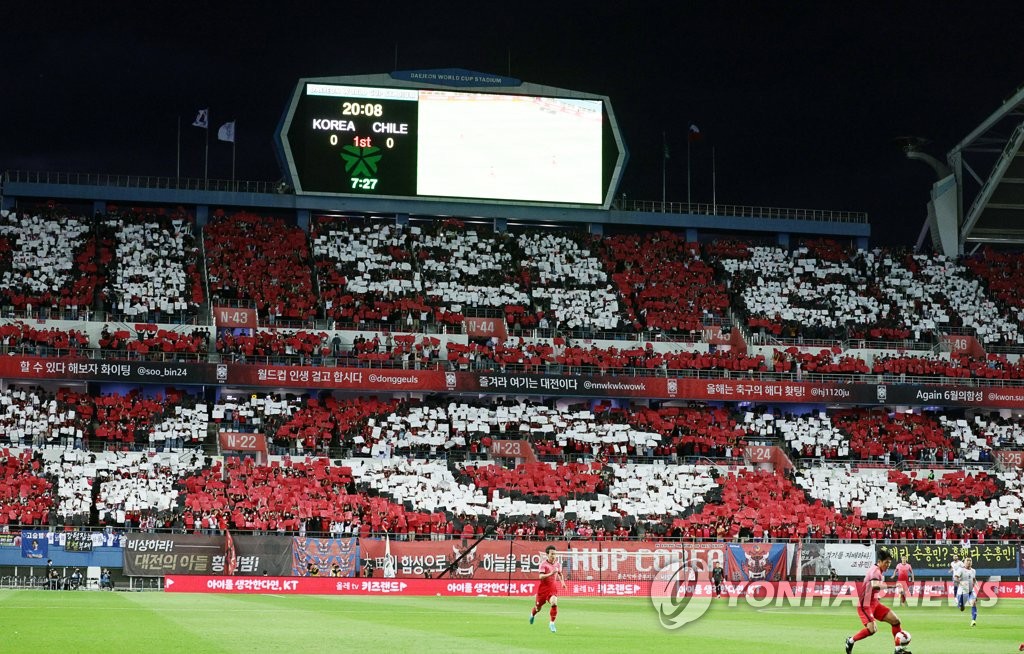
(323, 553)
(758, 562)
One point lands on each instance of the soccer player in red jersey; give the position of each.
(869, 609)
(548, 590)
(904, 577)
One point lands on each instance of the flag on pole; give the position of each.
(230, 556)
(202, 119)
(227, 132)
(694, 132)
(389, 561)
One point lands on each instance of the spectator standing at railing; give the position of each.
(52, 576)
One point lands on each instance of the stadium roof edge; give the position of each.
(23, 186)
(1013, 102)
(988, 167)
(386, 79)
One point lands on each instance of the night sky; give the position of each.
(800, 100)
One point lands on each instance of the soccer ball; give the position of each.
(902, 638)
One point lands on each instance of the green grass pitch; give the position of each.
(151, 623)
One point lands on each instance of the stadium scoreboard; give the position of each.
(440, 143)
(357, 140)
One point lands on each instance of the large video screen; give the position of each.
(447, 144)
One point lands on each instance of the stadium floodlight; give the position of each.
(911, 146)
(940, 220)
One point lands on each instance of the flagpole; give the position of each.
(177, 170)
(688, 203)
(714, 182)
(234, 141)
(206, 161)
(202, 120)
(664, 163)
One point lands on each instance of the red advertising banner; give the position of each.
(20, 367)
(613, 386)
(1009, 458)
(785, 593)
(604, 561)
(357, 379)
(440, 381)
(235, 317)
(340, 586)
(485, 328)
(613, 561)
(491, 559)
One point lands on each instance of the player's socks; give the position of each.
(861, 635)
(895, 629)
(974, 613)
(553, 613)
(552, 627)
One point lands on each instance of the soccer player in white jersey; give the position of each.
(967, 596)
(956, 567)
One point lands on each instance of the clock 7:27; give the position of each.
(364, 183)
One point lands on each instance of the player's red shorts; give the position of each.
(544, 595)
(874, 612)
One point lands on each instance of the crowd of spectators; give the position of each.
(146, 342)
(144, 265)
(822, 290)
(664, 284)
(985, 505)
(26, 495)
(430, 498)
(20, 338)
(156, 275)
(52, 264)
(260, 260)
